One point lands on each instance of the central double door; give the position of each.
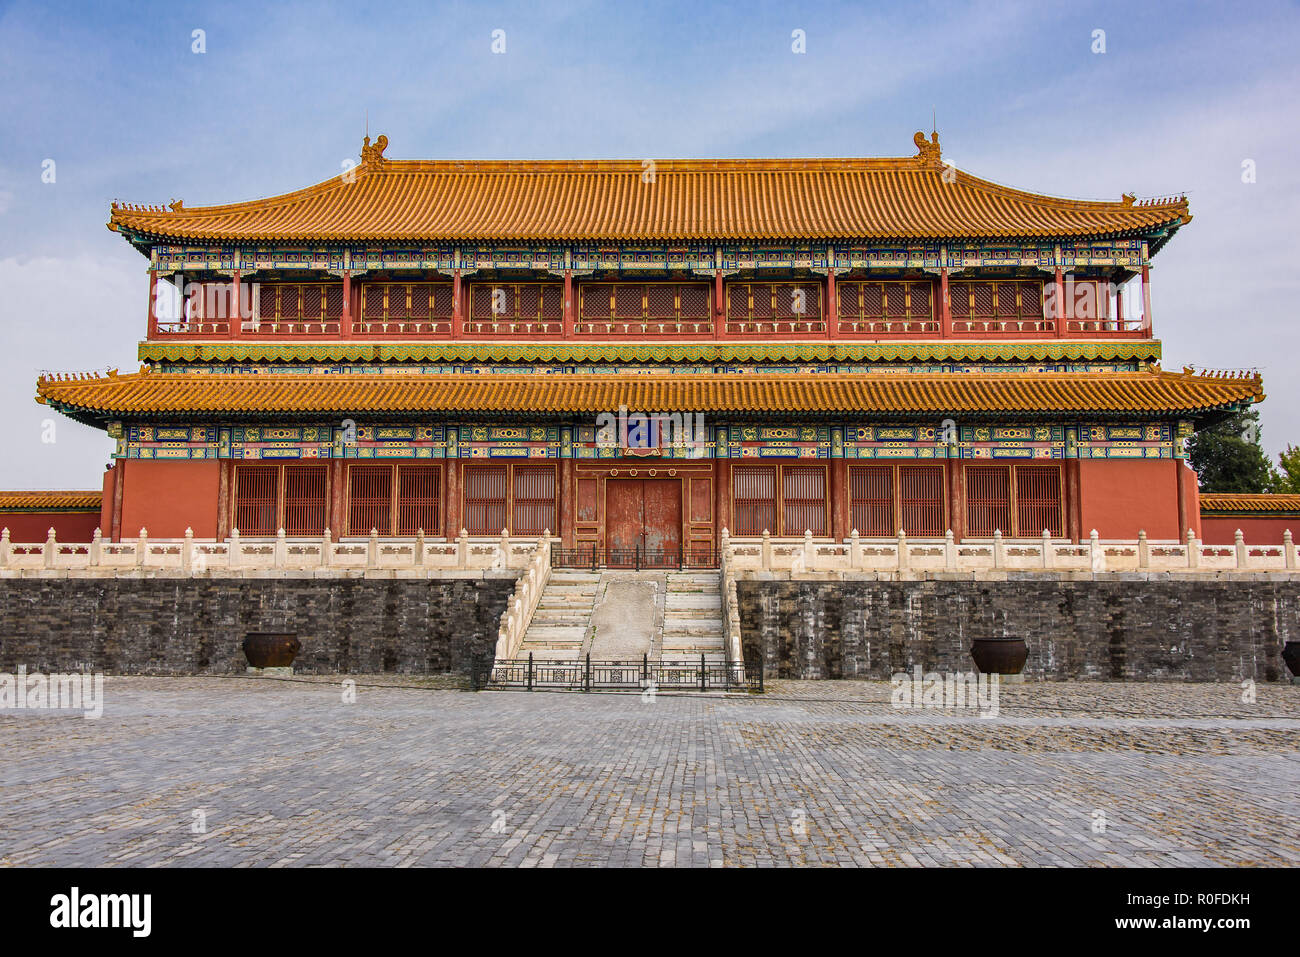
(643, 526)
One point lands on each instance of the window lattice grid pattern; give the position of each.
(1004, 305)
(485, 499)
(418, 499)
(257, 491)
(871, 500)
(305, 505)
(370, 498)
(754, 498)
(988, 500)
(887, 307)
(920, 500)
(1038, 500)
(643, 308)
(523, 307)
(803, 494)
(298, 302)
(427, 305)
(774, 307)
(534, 499)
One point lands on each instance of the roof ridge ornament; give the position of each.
(928, 150)
(374, 154)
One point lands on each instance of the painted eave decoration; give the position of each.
(654, 352)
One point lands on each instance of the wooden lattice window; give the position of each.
(418, 499)
(988, 500)
(884, 497)
(370, 499)
(1038, 500)
(991, 302)
(257, 496)
(485, 499)
(506, 302)
(774, 301)
(897, 302)
(657, 301)
(803, 497)
(755, 499)
(1020, 501)
(871, 499)
(299, 302)
(305, 504)
(534, 499)
(921, 499)
(417, 301)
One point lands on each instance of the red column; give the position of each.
(945, 305)
(338, 469)
(453, 496)
(223, 499)
(457, 312)
(839, 499)
(1146, 300)
(832, 306)
(235, 313)
(345, 320)
(568, 303)
(956, 500)
(152, 325)
(568, 503)
(1119, 307)
(115, 529)
(719, 307)
(722, 488)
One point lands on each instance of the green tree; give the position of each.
(1287, 479)
(1227, 456)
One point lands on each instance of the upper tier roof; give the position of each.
(909, 198)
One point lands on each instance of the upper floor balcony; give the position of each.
(743, 309)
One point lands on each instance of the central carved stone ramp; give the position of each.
(692, 623)
(560, 623)
(627, 617)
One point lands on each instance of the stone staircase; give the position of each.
(559, 626)
(693, 617)
(622, 615)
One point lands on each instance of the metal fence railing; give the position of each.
(588, 674)
(636, 558)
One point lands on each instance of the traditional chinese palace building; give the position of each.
(873, 344)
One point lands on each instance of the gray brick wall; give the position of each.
(194, 626)
(1151, 630)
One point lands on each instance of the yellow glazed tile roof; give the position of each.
(1262, 504)
(153, 394)
(738, 199)
(40, 500)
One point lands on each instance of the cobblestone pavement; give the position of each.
(286, 773)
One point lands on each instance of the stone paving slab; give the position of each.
(286, 773)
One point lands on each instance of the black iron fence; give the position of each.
(586, 674)
(593, 557)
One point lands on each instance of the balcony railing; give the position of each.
(630, 311)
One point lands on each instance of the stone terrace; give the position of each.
(815, 773)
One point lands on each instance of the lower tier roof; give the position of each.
(1235, 503)
(159, 395)
(50, 501)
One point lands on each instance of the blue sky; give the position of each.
(1181, 97)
